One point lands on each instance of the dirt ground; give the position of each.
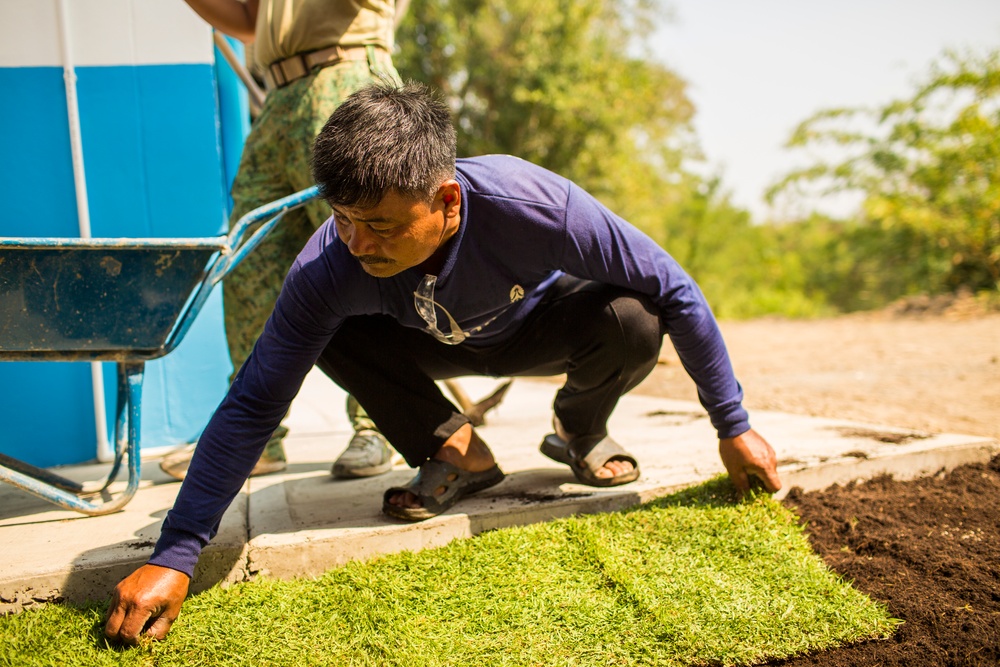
(929, 549)
(929, 373)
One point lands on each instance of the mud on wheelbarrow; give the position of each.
(121, 300)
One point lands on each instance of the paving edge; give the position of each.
(902, 466)
(309, 555)
(80, 584)
(313, 552)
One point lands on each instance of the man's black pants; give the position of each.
(606, 339)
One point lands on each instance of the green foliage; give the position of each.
(857, 265)
(745, 270)
(566, 84)
(570, 85)
(928, 168)
(693, 578)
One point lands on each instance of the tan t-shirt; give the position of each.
(287, 27)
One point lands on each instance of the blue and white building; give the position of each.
(118, 119)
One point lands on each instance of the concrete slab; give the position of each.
(51, 553)
(302, 522)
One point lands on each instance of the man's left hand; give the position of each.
(749, 454)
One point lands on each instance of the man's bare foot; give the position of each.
(609, 469)
(465, 450)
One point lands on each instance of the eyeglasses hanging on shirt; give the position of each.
(423, 300)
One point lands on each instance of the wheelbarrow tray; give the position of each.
(121, 300)
(97, 299)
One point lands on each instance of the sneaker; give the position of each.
(176, 463)
(271, 460)
(367, 455)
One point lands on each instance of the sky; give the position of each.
(756, 69)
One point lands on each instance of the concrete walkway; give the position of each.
(303, 522)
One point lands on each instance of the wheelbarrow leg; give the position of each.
(63, 492)
(40, 474)
(122, 435)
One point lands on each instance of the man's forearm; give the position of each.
(236, 19)
(703, 354)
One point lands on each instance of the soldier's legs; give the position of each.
(274, 164)
(281, 156)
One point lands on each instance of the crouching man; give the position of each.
(432, 268)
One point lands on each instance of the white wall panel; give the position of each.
(29, 33)
(168, 31)
(103, 32)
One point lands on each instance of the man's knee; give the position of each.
(640, 330)
(613, 326)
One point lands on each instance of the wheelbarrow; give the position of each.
(121, 300)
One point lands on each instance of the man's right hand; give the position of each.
(746, 455)
(147, 602)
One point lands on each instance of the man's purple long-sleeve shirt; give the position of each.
(521, 226)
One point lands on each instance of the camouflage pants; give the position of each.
(275, 163)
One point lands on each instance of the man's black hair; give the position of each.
(384, 137)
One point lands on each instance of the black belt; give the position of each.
(283, 72)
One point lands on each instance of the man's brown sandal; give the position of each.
(433, 475)
(586, 454)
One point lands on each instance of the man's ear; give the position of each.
(450, 195)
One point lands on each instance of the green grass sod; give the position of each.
(690, 579)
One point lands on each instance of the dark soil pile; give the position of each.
(929, 549)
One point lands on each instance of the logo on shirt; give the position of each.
(516, 293)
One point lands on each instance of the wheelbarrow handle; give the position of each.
(241, 240)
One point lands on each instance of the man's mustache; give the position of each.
(373, 259)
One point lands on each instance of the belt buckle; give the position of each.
(285, 71)
(293, 68)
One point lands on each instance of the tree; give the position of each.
(929, 171)
(567, 84)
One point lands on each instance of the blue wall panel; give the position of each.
(154, 163)
(183, 151)
(48, 412)
(233, 107)
(36, 190)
